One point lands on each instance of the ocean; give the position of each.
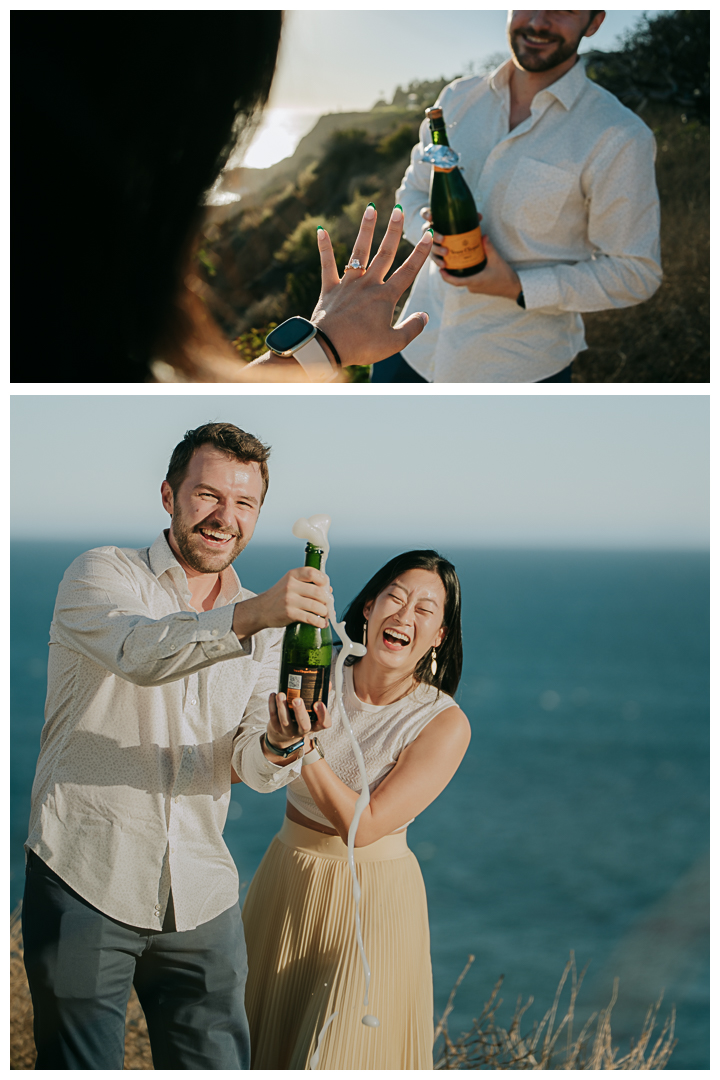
(578, 820)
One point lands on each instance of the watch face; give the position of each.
(290, 335)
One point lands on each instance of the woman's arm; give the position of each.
(357, 310)
(424, 768)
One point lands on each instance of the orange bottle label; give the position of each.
(464, 249)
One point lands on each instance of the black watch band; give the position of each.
(330, 346)
(288, 749)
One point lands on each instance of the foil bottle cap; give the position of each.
(441, 156)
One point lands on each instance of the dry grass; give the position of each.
(547, 1046)
(485, 1046)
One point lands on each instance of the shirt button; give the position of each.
(157, 909)
(215, 633)
(193, 701)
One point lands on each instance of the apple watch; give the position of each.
(316, 754)
(298, 337)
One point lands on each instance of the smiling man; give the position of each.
(159, 673)
(564, 177)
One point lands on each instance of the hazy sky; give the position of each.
(423, 470)
(340, 60)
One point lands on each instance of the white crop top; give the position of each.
(382, 731)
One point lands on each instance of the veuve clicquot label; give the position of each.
(306, 654)
(464, 250)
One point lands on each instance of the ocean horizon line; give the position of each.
(619, 547)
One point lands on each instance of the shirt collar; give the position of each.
(162, 560)
(566, 89)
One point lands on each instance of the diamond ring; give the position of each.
(354, 264)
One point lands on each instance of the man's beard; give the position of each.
(529, 61)
(205, 562)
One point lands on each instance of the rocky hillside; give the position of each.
(259, 260)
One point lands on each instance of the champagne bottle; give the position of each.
(452, 205)
(306, 654)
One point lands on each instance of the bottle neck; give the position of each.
(439, 135)
(313, 556)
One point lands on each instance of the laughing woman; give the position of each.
(303, 960)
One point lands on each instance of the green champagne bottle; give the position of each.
(306, 654)
(452, 205)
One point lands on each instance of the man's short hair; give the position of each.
(229, 439)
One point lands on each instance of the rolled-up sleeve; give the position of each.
(413, 193)
(248, 759)
(623, 229)
(100, 613)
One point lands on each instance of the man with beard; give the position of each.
(159, 672)
(564, 176)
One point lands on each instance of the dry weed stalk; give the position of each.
(487, 1045)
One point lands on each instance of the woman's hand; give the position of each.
(288, 723)
(356, 311)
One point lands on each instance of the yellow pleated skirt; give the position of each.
(304, 962)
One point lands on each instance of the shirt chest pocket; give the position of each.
(536, 195)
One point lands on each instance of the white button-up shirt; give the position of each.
(569, 199)
(149, 702)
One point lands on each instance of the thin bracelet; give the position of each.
(330, 345)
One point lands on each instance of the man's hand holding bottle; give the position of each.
(497, 278)
(301, 595)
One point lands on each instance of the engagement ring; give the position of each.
(354, 264)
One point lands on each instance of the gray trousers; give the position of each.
(81, 966)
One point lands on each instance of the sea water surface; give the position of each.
(579, 817)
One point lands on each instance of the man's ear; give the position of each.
(595, 24)
(166, 493)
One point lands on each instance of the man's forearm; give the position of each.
(248, 618)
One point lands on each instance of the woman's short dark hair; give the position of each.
(121, 120)
(449, 654)
(229, 439)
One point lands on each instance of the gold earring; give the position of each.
(365, 632)
(433, 663)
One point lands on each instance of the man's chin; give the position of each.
(529, 60)
(211, 562)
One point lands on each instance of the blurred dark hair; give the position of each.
(449, 654)
(226, 437)
(120, 121)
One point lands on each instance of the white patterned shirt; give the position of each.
(569, 199)
(143, 718)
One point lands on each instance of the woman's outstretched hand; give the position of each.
(356, 311)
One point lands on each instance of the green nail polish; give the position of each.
(319, 228)
(397, 206)
(373, 205)
(431, 231)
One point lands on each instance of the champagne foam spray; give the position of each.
(315, 531)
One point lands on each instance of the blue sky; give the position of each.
(340, 60)
(518, 470)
